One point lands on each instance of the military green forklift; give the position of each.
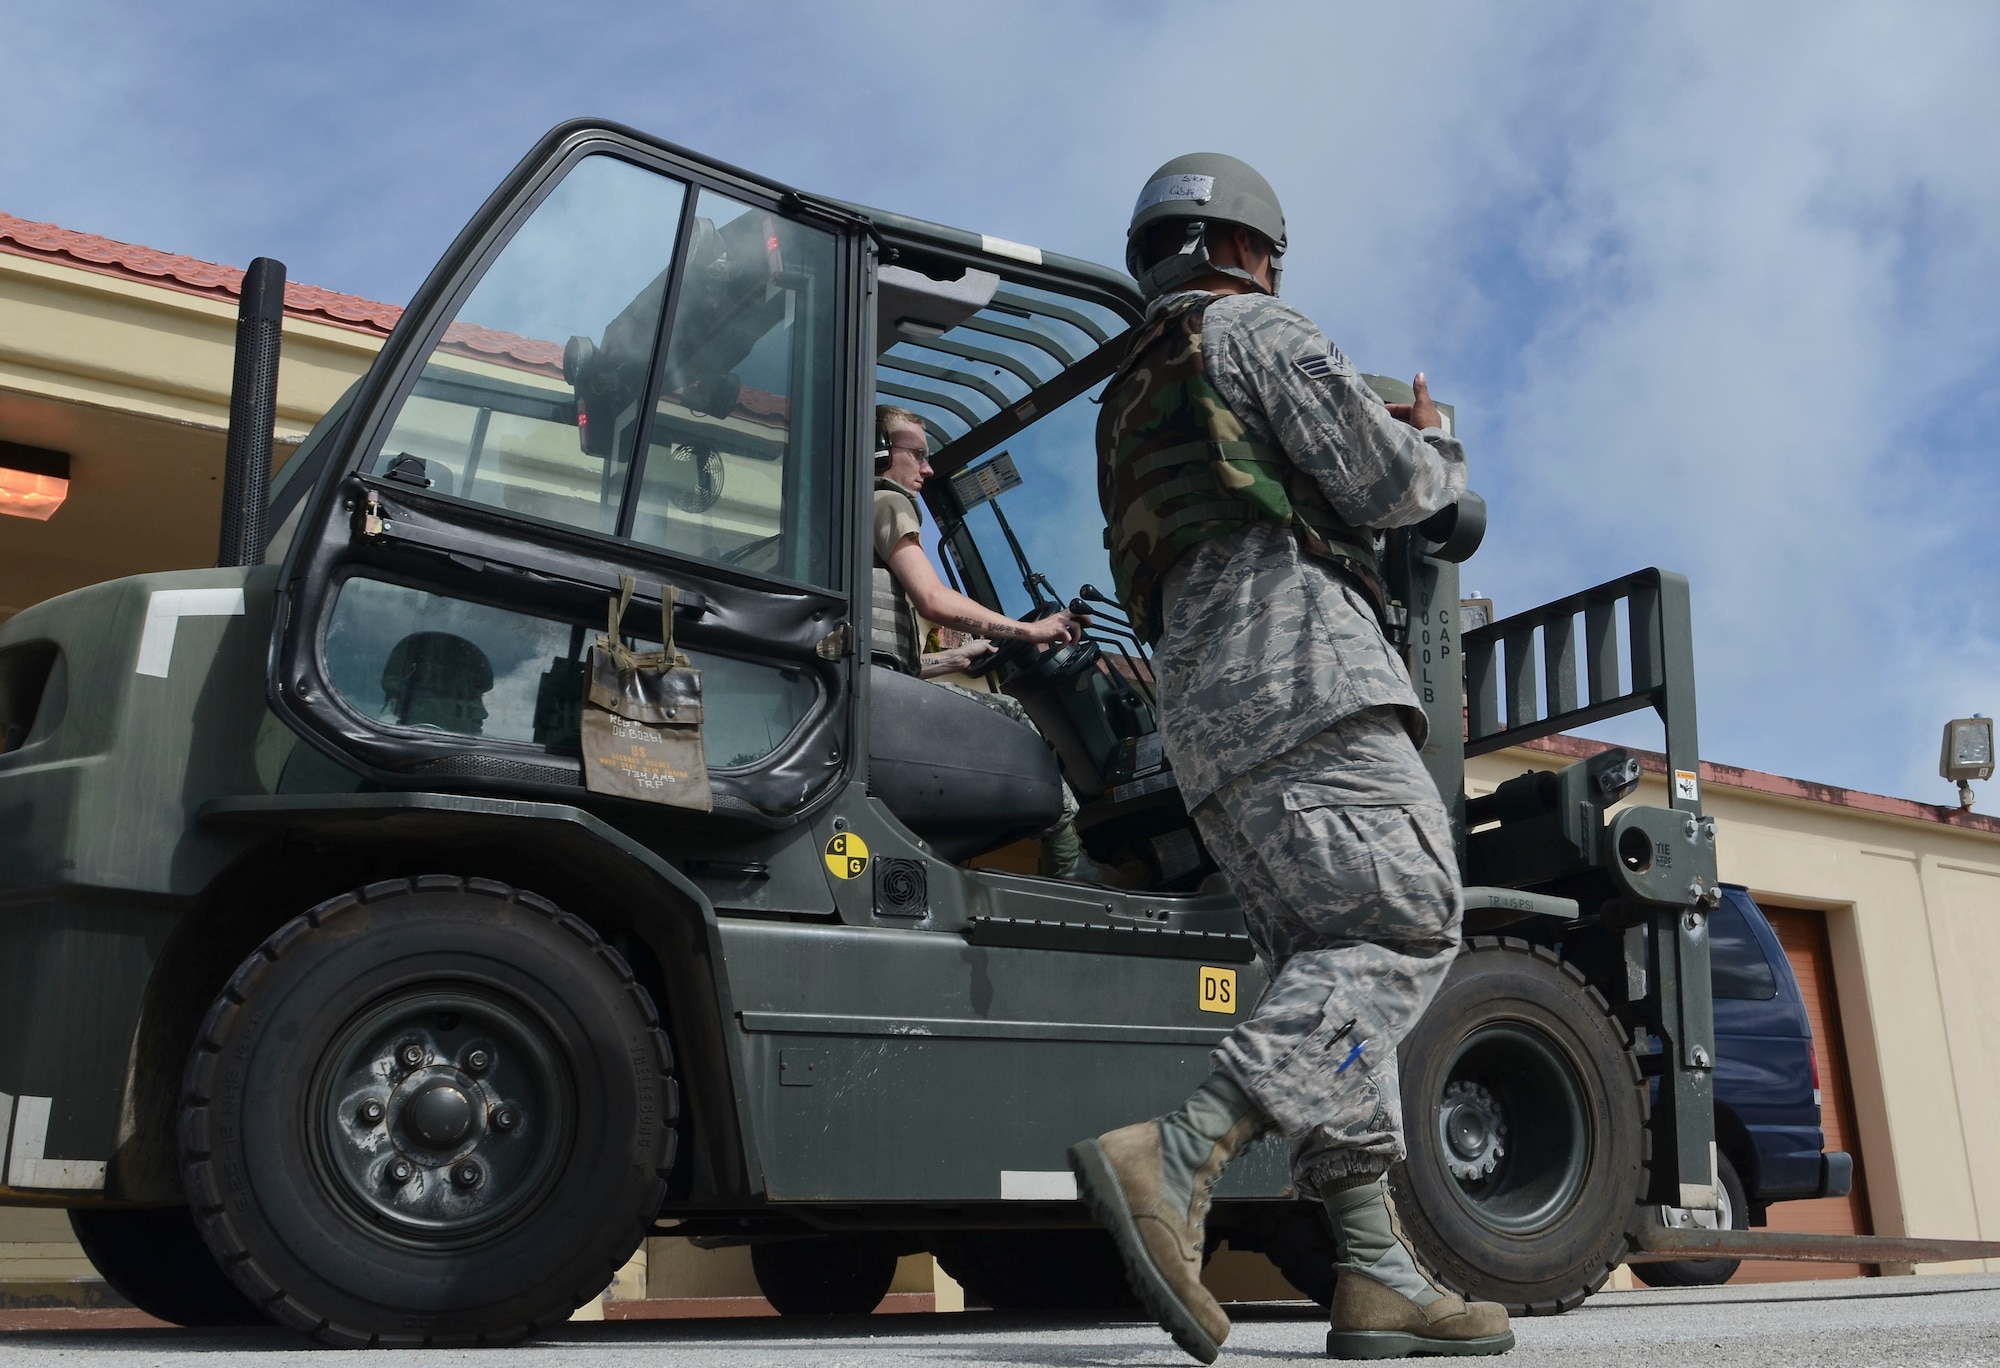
(356, 974)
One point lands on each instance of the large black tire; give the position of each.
(1735, 1215)
(436, 1111)
(155, 1259)
(1036, 1270)
(1525, 1117)
(832, 1275)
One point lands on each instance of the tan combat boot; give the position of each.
(1384, 1304)
(1148, 1185)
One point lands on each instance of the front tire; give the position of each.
(1525, 1118)
(435, 1111)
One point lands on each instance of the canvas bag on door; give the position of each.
(642, 716)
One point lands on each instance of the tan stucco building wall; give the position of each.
(131, 378)
(1911, 897)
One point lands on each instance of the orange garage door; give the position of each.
(1803, 934)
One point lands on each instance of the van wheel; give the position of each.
(833, 1275)
(1036, 1270)
(435, 1111)
(1525, 1118)
(153, 1257)
(1734, 1215)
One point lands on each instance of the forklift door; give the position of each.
(632, 363)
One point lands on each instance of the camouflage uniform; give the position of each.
(1293, 730)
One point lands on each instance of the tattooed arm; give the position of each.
(947, 607)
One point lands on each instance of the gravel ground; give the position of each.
(1946, 1320)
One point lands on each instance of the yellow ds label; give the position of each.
(1218, 989)
(847, 856)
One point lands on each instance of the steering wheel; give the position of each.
(1011, 652)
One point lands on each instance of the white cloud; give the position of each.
(1708, 282)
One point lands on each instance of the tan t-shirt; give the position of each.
(895, 518)
(896, 632)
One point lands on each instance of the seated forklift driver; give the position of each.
(906, 585)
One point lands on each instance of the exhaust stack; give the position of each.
(253, 413)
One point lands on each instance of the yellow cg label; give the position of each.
(1218, 990)
(847, 856)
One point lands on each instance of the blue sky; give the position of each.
(1709, 283)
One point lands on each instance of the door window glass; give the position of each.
(409, 658)
(531, 399)
(1736, 964)
(739, 465)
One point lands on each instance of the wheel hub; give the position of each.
(441, 1113)
(1474, 1130)
(438, 1117)
(1512, 1128)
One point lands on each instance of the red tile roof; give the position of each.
(89, 252)
(1778, 786)
(107, 256)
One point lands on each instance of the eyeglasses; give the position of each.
(922, 453)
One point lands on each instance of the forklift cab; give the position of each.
(644, 365)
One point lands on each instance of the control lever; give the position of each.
(1113, 627)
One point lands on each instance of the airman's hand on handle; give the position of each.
(963, 656)
(1421, 413)
(1057, 629)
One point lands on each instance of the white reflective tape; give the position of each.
(1037, 1185)
(1190, 188)
(1018, 251)
(26, 1168)
(164, 612)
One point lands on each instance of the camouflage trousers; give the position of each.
(1341, 854)
(1060, 842)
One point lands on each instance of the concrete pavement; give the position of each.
(1944, 1320)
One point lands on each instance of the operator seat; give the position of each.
(960, 775)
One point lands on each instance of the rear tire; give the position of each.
(435, 1111)
(834, 1275)
(1705, 1272)
(155, 1259)
(1525, 1117)
(1036, 1270)
(1301, 1247)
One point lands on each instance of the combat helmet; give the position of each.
(1199, 189)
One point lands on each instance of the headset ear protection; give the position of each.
(883, 455)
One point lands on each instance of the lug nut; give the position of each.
(478, 1061)
(505, 1119)
(371, 1113)
(399, 1171)
(411, 1055)
(465, 1174)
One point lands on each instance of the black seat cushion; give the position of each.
(960, 775)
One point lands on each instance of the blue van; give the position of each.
(1767, 1096)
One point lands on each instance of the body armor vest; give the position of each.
(895, 620)
(1175, 468)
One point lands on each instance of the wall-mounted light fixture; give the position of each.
(1968, 753)
(34, 481)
